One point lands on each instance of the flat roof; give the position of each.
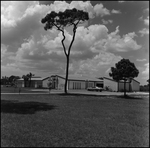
(136, 80)
(33, 79)
(79, 78)
(120, 80)
(109, 79)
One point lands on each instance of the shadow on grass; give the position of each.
(134, 97)
(78, 94)
(16, 107)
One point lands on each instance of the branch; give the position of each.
(57, 27)
(62, 41)
(77, 22)
(74, 32)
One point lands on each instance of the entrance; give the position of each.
(99, 85)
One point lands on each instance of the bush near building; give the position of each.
(144, 88)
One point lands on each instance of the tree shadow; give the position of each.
(78, 94)
(134, 97)
(16, 107)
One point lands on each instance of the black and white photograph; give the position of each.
(74, 73)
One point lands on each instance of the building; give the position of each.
(110, 84)
(75, 82)
(80, 83)
(135, 85)
(36, 82)
(44, 82)
(113, 85)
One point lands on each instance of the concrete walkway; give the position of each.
(45, 91)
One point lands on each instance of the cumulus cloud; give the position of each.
(115, 11)
(51, 47)
(146, 10)
(13, 11)
(20, 19)
(144, 31)
(140, 60)
(5, 55)
(146, 71)
(26, 46)
(11, 70)
(124, 44)
(105, 22)
(3, 50)
(97, 65)
(146, 21)
(100, 10)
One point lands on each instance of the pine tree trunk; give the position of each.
(67, 55)
(66, 80)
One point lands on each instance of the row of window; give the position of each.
(90, 84)
(77, 85)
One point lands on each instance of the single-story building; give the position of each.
(113, 85)
(75, 82)
(36, 82)
(110, 84)
(80, 82)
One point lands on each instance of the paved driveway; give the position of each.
(46, 91)
(91, 92)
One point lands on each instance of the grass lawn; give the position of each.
(37, 120)
(16, 90)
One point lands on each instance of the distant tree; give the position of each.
(148, 82)
(14, 83)
(124, 70)
(4, 80)
(49, 84)
(12, 78)
(63, 19)
(30, 75)
(26, 78)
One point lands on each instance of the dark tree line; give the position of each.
(9, 80)
(27, 78)
(12, 79)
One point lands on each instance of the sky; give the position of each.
(115, 30)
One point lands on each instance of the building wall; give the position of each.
(36, 83)
(76, 84)
(135, 85)
(91, 84)
(61, 83)
(112, 85)
(81, 84)
(144, 88)
(20, 83)
(121, 86)
(44, 83)
(99, 84)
